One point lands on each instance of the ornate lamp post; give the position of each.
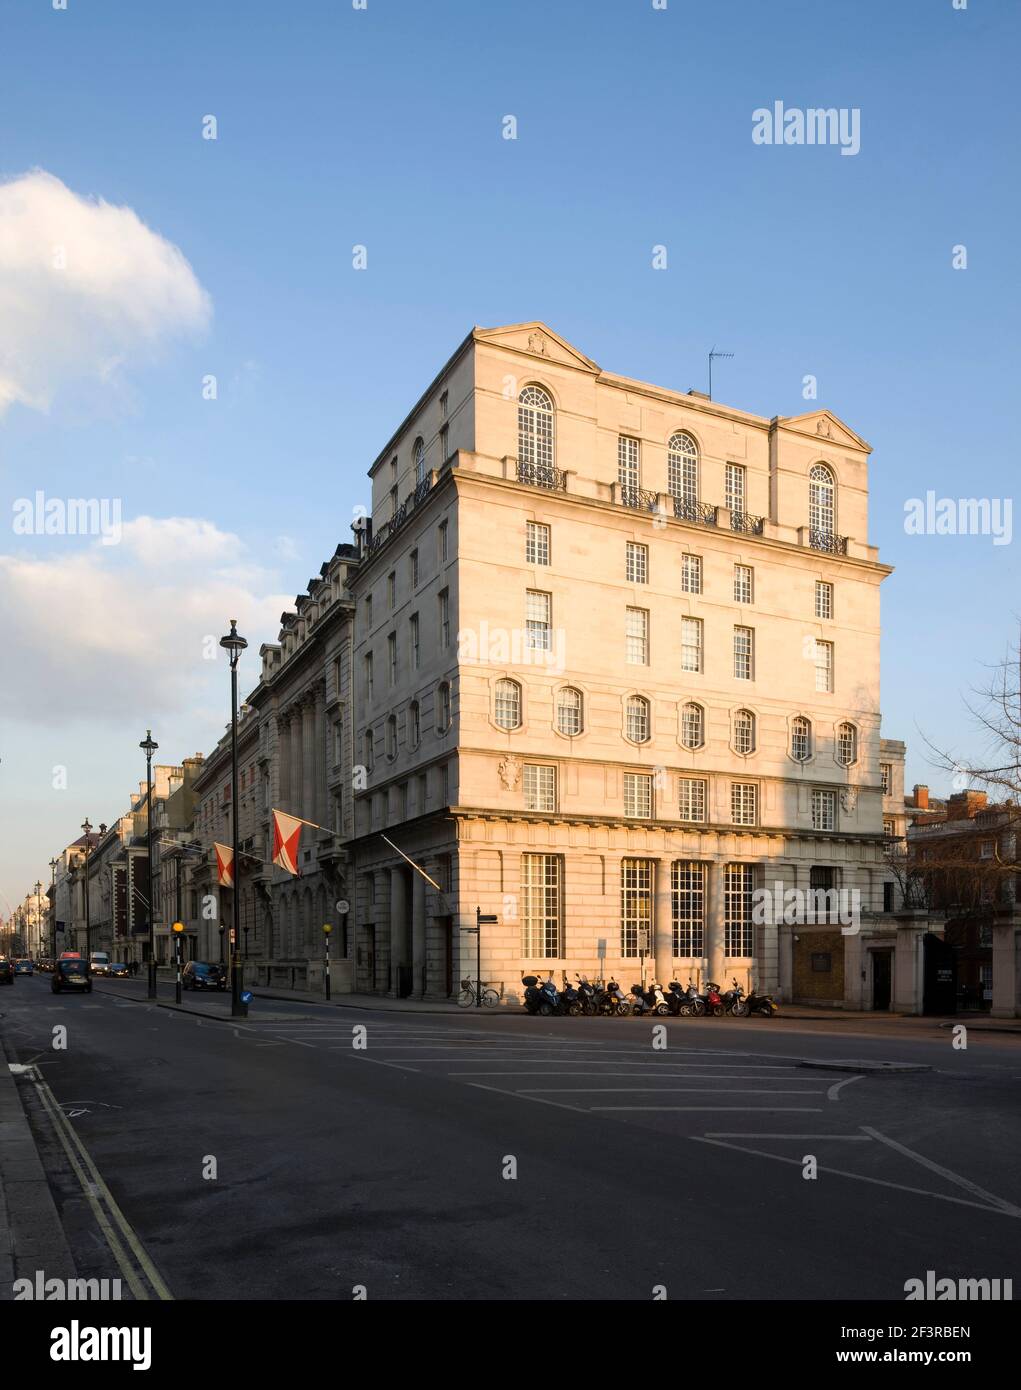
(38, 914)
(88, 921)
(235, 645)
(53, 906)
(149, 746)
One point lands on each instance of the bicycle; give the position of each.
(469, 995)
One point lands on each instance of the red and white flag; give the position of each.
(224, 865)
(286, 838)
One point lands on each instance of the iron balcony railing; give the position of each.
(826, 540)
(640, 499)
(542, 475)
(744, 521)
(702, 513)
(391, 527)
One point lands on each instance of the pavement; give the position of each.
(316, 1150)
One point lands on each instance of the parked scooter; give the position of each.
(570, 1001)
(588, 994)
(532, 997)
(677, 999)
(649, 1001)
(762, 1004)
(617, 1000)
(713, 1000)
(734, 1001)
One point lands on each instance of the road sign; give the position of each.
(246, 996)
(342, 906)
(643, 941)
(488, 919)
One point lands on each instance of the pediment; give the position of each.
(536, 340)
(824, 425)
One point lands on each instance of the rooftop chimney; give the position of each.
(921, 797)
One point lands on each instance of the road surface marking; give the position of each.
(477, 1086)
(656, 1091)
(96, 1192)
(834, 1091)
(751, 1109)
(1006, 1207)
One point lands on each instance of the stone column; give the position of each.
(308, 755)
(284, 761)
(398, 926)
(907, 972)
(418, 924)
(381, 919)
(663, 923)
(321, 814)
(715, 946)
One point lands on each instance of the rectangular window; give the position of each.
(638, 795)
(688, 908)
(691, 644)
(824, 810)
(536, 543)
(744, 654)
(629, 471)
(636, 645)
(394, 507)
(637, 563)
(391, 590)
(887, 897)
(744, 584)
(368, 612)
(542, 906)
(734, 487)
(889, 828)
(538, 621)
(823, 599)
(691, 798)
(368, 677)
(443, 599)
(441, 542)
(691, 574)
(824, 666)
(444, 400)
(444, 443)
(635, 906)
(885, 771)
(824, 901)
(414, 569)
(744, 803)
(413, 634)
(391, 651)
(540, 784)
(738, 884)
(986, 849)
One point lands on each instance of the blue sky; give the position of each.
(383, 127)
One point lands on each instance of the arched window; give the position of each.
(443, 707)
(692, 726)
(507, 704)
(569, 711)
(822, 504)
(682, 467)
(638, 719)
(744, 731)
(535, 428)
(801, 739)
(418, 453)
(414, 724)
(847, 744)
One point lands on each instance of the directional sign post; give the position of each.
(481, 919)
(326, 961)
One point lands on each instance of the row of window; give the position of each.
(570, 720)
(539, 787)
(636, 569)
(541, 907)
(537, 450)
(637, 640)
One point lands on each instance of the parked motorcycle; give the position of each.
(618, 1001)
(532, 997)
(649, 1001)
(734, 1001)
(713, 1000)
(762, 1004)
(677, 999)
(588, 993)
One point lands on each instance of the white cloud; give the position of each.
(93, 638)
(85, 287)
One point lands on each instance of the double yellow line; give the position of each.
(144, 1281)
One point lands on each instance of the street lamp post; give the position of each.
(88, 921)
(149, 746)
(53, 906)
(235, 645)
(38, 914)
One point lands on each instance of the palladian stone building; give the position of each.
(615, 665)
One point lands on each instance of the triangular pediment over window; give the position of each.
(824, 425)
(536, 341)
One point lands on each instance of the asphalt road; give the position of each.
(504, 1157)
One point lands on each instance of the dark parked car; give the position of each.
(199, 974)
(6, 971)
(71, 974)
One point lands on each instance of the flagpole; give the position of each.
(417, 867)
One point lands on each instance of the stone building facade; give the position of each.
(616, 662)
